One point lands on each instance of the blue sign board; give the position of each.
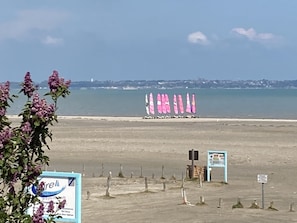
(216, 159)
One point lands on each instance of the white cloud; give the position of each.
(28, 23)
(198, 38)
(252, 35)
(49, 40)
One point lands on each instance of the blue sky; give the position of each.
(149, 40)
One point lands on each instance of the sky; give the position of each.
(149, 40)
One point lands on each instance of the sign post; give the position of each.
(217, 159)
(193, 155)
(262, 178)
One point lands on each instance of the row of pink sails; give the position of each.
(163, 104)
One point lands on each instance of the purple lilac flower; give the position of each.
(51, 207)
(4, 92)
(62, 204)
(41, 109)
(15, 177)
(55, 82)
(5, 135)
(37, 216)
(28, 86)
(2, 111)
(11, 189)
(32, 173)
(40, 187)
(26, 127)
(4, 96)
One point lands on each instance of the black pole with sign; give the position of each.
(192, 163)
(262, 195)
(262, 178)
(193, 155)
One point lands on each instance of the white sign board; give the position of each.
(62, 185)
(262, 178)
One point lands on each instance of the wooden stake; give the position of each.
(146, 184)
(162, 177)
(202, 200)
(183, 180)
(184, 196)
(102, 170)
(83, 170)
(220, 202)
(200, 180)
(164, 186)
(141, 176)
(121, 171)
(108, 184)
(292, 207)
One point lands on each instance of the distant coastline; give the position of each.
(176, 84)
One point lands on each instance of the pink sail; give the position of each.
(188, 108)
(193, 104)
(151, 103)
(167, 104)
(163, 103)
(159, 104)
(175, 105)
(180, 103)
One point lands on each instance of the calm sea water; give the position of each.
(230, 103)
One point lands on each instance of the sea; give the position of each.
(210, 103)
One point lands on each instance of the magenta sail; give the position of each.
(175, 108)
(167, 104)
(188, 107)
(159, 103)
(151, 103)
(163, 103)
(193, 104)
(180, 104)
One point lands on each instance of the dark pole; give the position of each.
(192, 163)
(262, 195)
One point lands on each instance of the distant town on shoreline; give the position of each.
(174, 84)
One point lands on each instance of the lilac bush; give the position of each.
(22, 153)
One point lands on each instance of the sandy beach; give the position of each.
(157, 149)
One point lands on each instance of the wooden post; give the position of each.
(292, 207)
(184, 196)
(108, 184)
(202, 200)
(183, 180)
(102, 170)
(192, 176)
(88, 195)
(121, 171)
(164, 186)
(83, 172)
(162, 172)
(220, 202)
(200, 179)
(146, 184)
(141, 176)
